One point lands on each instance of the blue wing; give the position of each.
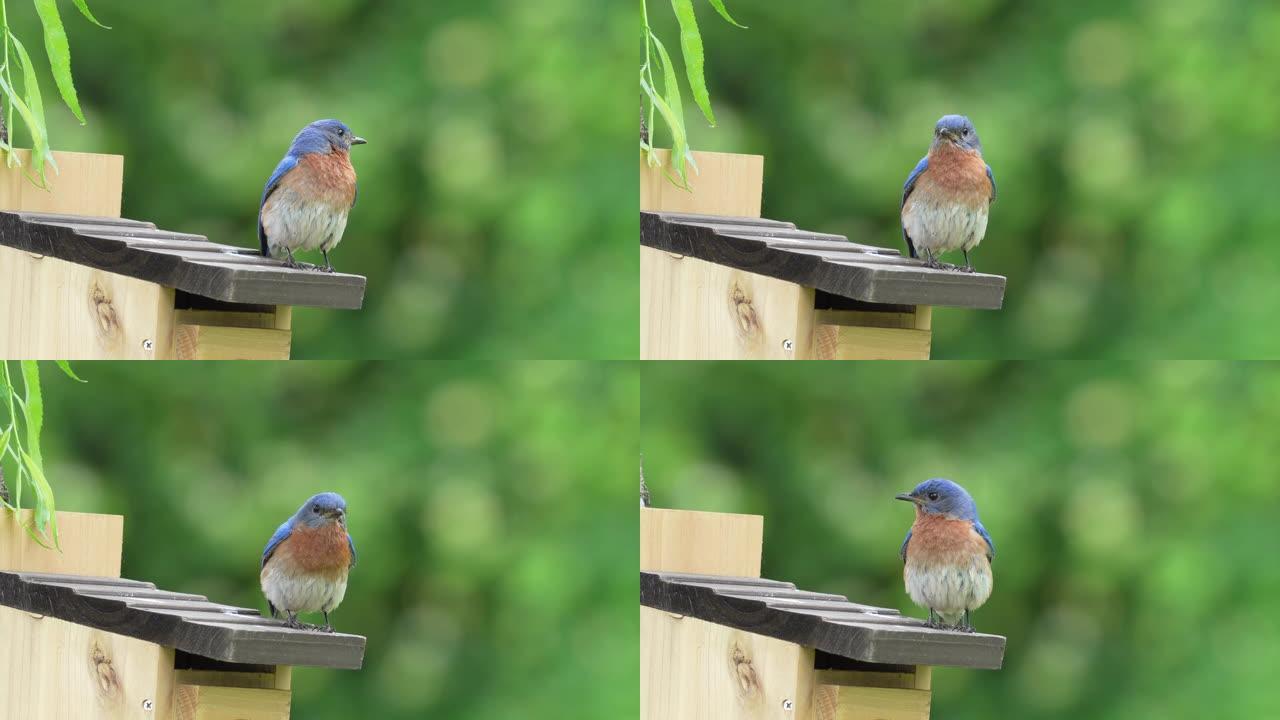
(273, 182)
(907, 187)
(902, 552)
(351, 544)
(991, 547)
(282, 532)
(992, 178)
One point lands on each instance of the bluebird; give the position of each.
(306, 561)
(946, 197)
(306, 200)
(947, 554)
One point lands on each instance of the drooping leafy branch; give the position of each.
(20, 440)
(668, 104)
(29, 105)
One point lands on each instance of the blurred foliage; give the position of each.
(488, 220)
(488, 582)
(1133, 143)
(1131, 506)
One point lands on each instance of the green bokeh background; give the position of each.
(1132, 506)
(1134, 144)
(489, 581)
(488, 220)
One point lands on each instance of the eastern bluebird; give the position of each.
(305, 563)
(946, 197)
(947, 554)
(305, 203)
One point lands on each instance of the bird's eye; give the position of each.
(341, 132)
(316, 509)
(966, 132)
(933, 496)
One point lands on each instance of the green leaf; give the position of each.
(33, 407)
(691, 49)
(671, 92)
(55, 43)
(45, 520)
(84, 10)
(37, 131)
(31, 90)
(677, 129)
(719, 6)
(66, 368)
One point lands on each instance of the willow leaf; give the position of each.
(33, 406)
(55, 43)
(45, 519)
(691, 49)
(31, 92)
(671, 92)
(719, 6)
(37, 132)
(66, 368)
(84, 10)
(677, 129)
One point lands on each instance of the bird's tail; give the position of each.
(262, 239)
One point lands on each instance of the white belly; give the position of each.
(296, 593)
(940, 227)
(949, 590)
(299, 224)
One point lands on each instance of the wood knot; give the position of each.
(106, 322)
(743, 311)
(103, 673)
(744, 671)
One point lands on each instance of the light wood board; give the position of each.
(688, 541)
(724, 184)
(91, 545)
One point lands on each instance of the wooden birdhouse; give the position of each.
(717, 281)
(81, 643)
(78, 282)
(718, 642)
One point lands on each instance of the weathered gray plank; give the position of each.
(230, 274)
(866, 274)
(184, 621)
(837, 628)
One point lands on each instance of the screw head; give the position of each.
(147, 344)
(787, 704)
(147, 704)
(788, 345)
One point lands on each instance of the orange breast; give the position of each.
(317, 550)
(935, 540)
(956, 175)
(327, 178)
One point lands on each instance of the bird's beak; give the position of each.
(908, 497)
(336, 514)
(357, 140)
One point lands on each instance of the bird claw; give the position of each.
(967, 269)
(326, 628)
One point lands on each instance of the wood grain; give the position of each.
(696, 670)
(187, 622)
(829, 623)
(691, 309)
(206, 342)
(724, 184)
(85, 184)
(57, 670)
(180, 261)
(57, 310)
(91, 545)
(820, 261)
(202, 702)
(686, 541)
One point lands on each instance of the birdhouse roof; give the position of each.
(827, 262)
(191, 623)
(184, 261)
(823, 621)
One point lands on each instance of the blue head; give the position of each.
(942, 497)
(958, 131)
(320, 510)
(323, 136)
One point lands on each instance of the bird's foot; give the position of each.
(326, 628)
(326, 268)
(932, 624)
(968, 269)
(297, 624)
